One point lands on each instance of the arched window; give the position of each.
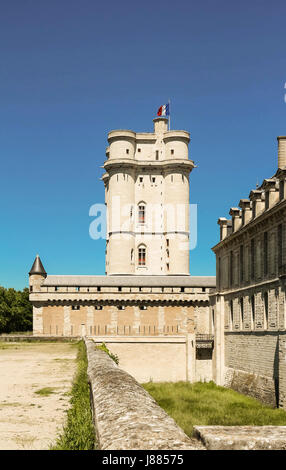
(141, 212)
(142, 255)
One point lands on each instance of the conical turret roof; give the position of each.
(38, 267)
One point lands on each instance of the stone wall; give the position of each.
(126, 417)
(282, 370)
(252, 364)
(157, 359)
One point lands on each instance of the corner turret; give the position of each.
(37, 275)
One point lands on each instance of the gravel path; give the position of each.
(30, 420)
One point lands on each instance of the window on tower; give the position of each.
(141, 213)
(142, 255)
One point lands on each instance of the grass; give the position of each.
(208, 404)
(78, 432)
(45, 392)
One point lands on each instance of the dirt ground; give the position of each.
(31, 420)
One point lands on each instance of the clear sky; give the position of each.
(73, 70)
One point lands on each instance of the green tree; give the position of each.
(15, 310)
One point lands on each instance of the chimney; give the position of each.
(236, 218)
(222, 222)
(258, 202)
(281, 151)
(245, 205)
(271, 192)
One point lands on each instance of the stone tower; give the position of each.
(147, 197)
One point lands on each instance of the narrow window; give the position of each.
(77, 289)
(280, 245)
(265, 249)
(153, 180)
(231, 314)
(98, 289)
(252, 258)
(230, 269)
(182, 289)
(172, 151)
(142, 256)
(241, 313)
(265, 298)
(253, 311)
(140, 179)
(157, 154)
(127, 150)
(119, 289)
(141, 214)
(167, 241)
(139, 150)
(132, 254)
(267, 200)
(241, 259)
(281, 190)
(168, 267)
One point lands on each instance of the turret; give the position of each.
(37, 275)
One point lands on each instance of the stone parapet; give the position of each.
(126, 417)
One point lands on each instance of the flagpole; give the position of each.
(169, 113)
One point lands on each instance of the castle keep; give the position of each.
(147, 308)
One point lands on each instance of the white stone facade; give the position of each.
(147, 198)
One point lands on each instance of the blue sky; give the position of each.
(73, 70)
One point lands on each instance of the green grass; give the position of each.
(208, 404)
(78, 432)
(45, 392)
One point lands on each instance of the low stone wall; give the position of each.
(242, 437)
(34, 339)
(257, 386)
(126, 417)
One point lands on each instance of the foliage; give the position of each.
(205, 404)
(104, 348)
(16, 313)
(45, 392)
(78, 432)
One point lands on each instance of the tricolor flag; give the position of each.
(163, 110)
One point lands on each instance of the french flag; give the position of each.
(163, 110)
